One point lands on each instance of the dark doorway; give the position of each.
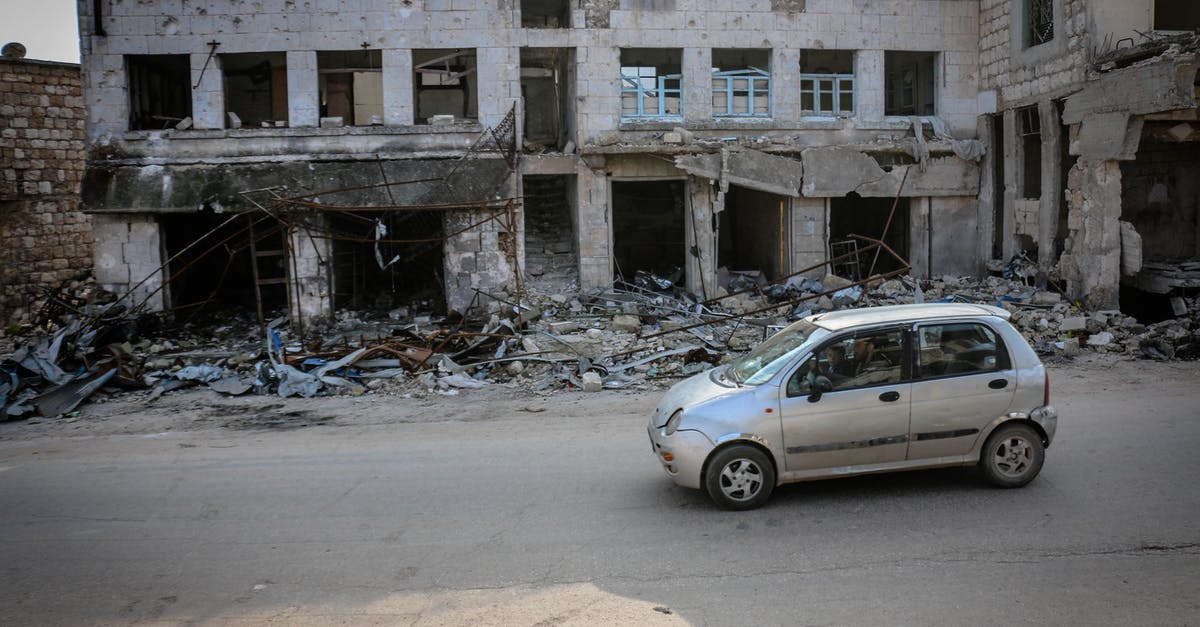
(998, 225)
(401, 267)
(648, 228)
(214, 273)
(550, 257)
(546, 84)
(854, 214)
(752, 232)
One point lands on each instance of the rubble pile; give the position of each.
(646, 333)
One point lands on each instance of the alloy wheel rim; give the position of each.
(741, 479)
(1013, 457)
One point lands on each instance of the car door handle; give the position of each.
(888, 397)
(998, 384)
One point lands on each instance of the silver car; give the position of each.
(861, 391)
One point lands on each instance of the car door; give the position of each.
(962, 380)
(863, 418)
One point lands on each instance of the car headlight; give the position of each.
(673, 423)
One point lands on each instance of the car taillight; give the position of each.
(1046, 394)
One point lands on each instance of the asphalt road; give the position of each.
(563, 516)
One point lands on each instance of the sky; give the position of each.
(47, 28)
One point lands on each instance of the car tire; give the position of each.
(1012, 456)
(739, 477)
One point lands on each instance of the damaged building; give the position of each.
(420, 155)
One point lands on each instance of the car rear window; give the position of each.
(958, 348)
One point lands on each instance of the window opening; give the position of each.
(1039, 22)
(865, 359)
(957, 349)
(255, 89)
(546, 89)
(444, 86)
(741, 83)
(545, 14)
(351, 86)
(1030, 129)
(160, 90)
(909, 83)
(827, 82)
(651, 83)
(1176, 15)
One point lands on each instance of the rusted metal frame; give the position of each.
(357, 188)
(784, 279)
(446, 340)
(511, 214)
(496, 204)
(346, 238)
(891, 214)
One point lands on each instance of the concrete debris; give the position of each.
(647, 333)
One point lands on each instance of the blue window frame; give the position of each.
(647, 94)
(742, 93)
(827, 94)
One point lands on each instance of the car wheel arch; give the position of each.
(977, 451)
(731, 442)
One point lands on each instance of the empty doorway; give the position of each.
(648, 228)
(868, 217)
(752, 232)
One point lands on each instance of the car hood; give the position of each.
(699, 388)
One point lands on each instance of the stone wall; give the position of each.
(45, 240)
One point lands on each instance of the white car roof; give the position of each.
(846, 318)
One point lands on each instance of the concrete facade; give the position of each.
(45, 239)
(925, 80)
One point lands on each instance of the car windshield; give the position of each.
(760, 364)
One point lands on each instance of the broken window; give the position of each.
(1029, 126)
(546, 86)
(351, 86)
(160, 90)
(444, 85)
(741, 83)
(827, 82)
(909, 83)
(545, 14)
(255, 89)
(1176, 15)
(651, 83)
(1039, 22)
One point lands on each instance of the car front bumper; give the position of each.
(681, 454)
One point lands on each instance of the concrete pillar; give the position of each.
(868, 85)
(304, 106)
(499, 71)
(310, 260)
(986, 215)
(700, 273)
(809, 233)
(697, 84)
(1050, 200)
(1091, 264)
(1012, 165)
(785, 85)
(397, 87)
(594, 227)
(919, 226)
(208, 93)
(127, 252)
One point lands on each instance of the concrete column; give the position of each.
(1050, 200)
(1091, 264)
(310, 266)
(304, 106)
(700, 273)
(1012, 165)
(697, 84)
(785, 85)
(106, 92)
(594, 227)
(809, 235)
(208, 93)
(127, 252)
(919, 225)
(499, 71)
(868, 85)
(987, 193)
(397, 87)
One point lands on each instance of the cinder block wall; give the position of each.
(45, 240)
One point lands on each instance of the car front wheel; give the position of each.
(1012, 456)
(739, 477)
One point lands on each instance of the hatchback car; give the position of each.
(861, 391)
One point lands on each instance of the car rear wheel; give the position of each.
(1012, 456)
(739, 477)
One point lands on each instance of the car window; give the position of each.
(767, 359)
(853, 361)
(958, 348)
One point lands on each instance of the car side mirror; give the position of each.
(820, 385)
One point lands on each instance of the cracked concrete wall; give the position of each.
(1091, 264)
(838, 171)
(309, 269)
(128, 256)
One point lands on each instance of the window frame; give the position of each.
(1003, 358)
(905, 359)
(635, 85)
(752, 76)
(836, 90)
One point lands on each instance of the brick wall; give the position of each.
(45, 240)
